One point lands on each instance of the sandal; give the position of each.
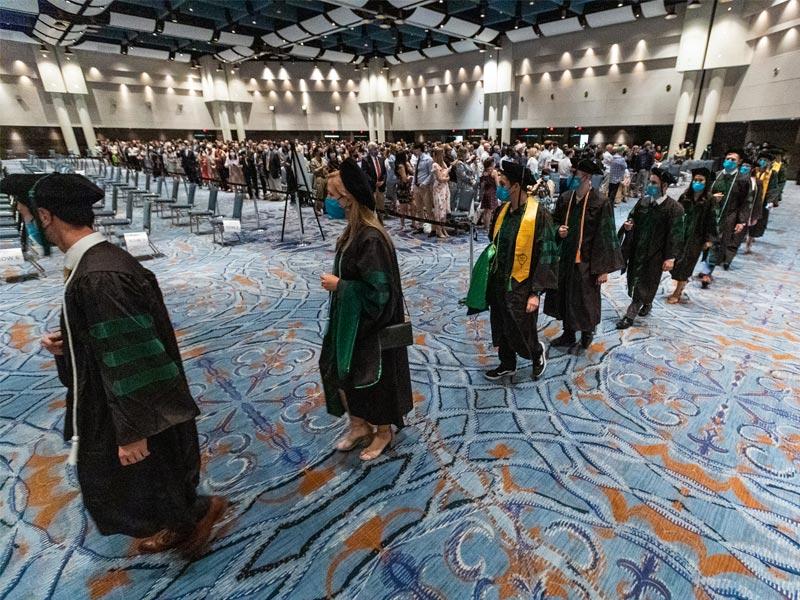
(370, 455)
(347, 443)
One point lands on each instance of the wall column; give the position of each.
(86, 122)
(710, 110)
(492, 129)
(62, 114)
(683, 111)
(505, 136)
(380, 124)
(239, 121)
(224, 121)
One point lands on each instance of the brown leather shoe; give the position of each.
(199, 538)
(164, 540)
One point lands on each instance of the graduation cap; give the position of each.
(664, 175)
(67, 195)
(766, 154)
(356, 183)
(589, 166)
(516, 173)
(737, 151)
(746, 160)
(702, 171)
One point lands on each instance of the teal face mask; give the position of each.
(503, 193)
(729, 164)
(35, 233)
(763, 163)
(652, 190)
(574, 183)
(698, 186)
(744, 170)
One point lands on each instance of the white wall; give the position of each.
(446, 93)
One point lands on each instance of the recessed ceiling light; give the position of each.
(254, 21)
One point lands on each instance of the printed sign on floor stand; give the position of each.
(232, 226)
(138, 244)
(11, 257)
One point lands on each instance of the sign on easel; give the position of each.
(10, 257)
(231, 226)
(138, 244)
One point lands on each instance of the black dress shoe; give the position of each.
(586, 339)
(726, 266)
(624, 323)
(645, 310)
(564, 340)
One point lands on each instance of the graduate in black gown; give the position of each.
(698, 229)
(767, 197)
(511, 274)
(372, 384)
(589, 251)
(130, 415)
(730, 194)
(651, 243)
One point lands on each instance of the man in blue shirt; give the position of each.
(617, 168)
(423, 185)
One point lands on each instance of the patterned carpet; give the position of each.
(662, 464)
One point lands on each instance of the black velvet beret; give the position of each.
(589, 166)
(355, 181)
(67, 195)
(516, 173)
(702, 171)
(664, 175)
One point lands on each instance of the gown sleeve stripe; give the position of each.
(123, 356)
(133, 383)
(117, 327)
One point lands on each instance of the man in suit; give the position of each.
(250, 173)
(189, 163)
(274, 171)
(375, 169)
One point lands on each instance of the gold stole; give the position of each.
(583, 218)
(523, 248)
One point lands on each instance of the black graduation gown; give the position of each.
(369, 297)
(760, 212)
(731, 210)
(698, 226)
(131, 385)
(508, 298)
(576, 302)
(655, 238)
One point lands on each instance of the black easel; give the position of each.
(293, 188)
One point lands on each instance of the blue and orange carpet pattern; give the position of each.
(662, 464)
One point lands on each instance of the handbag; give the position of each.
(399, 335)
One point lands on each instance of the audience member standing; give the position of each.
(441, 192)
(423, 185)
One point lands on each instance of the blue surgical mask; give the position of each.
(729, 164)
(652, 190)
(35, 233)
(698, 186)
(744, 170)
(503, 193)
(763, 163)
(574, 183)
(546, 177)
